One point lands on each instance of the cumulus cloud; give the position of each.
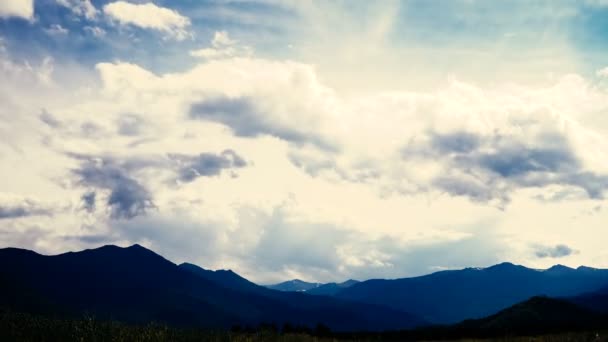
(206, 164)
(247, 119)
(127, 197)
(49, 119)
(486, 168)
(12, 207)
(149, 16)
(17, 8)
(56, 30)
(557, 251)
(89, 201)
(222, 46)
(81, 8)
(95, 31)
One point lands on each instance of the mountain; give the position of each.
(136, 285)
(596, 300)
(452, 296)
(331, 289)
(295, 285)
(224, 278)
(536, 316)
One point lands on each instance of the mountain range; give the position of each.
(451, 296)
(136, 285)
(327, 289)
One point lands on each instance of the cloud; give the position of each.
(12, 207)
(486, 168)
(89, 201)
(17, 8)
(81, 8)
(206, 164)
(130, 125)
(149, 16)
(222, 46)
(602, 72)
(557, 251)
(95, 31)
(56, 30)
(49, 119)
(127, 198)
(247, 119)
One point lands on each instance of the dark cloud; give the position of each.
(128, 198)
(130, 125)
(89, 201)
(490, 168)
(49, 119)
(557, 251)
(245, 119)
(23, 208)
(460, 142)
(206, 164)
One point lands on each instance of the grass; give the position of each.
(26, 328)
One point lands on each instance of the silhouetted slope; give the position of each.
(331, 289)
(321, 307)
(295, 285)
(452, 296)
(534, 316)
(224, 278)
(596, 300)
(136, 285)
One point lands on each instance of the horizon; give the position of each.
(318, 282)
(320, 140)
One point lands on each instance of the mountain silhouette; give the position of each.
(297, 285)
(596, 300)
(294, 285)
(136, 285)
(331, 289)
(536, 316)
(455, 295)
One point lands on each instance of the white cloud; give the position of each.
(602, 72)
(96, 31)
(82, 8)
(149, 16)
(222, 46)
(17, 8)
(56, 30)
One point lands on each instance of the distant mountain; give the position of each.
(135, 285)
(596, 300)
(455, 295)
(297, 285)
(331, 289)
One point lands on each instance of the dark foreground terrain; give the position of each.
(26, 327)
(133, 294)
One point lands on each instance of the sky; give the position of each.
(319, 140)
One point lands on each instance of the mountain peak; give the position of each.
(559, 268)
(502, 266)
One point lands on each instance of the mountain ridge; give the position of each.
(136, 285)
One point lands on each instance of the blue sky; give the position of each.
(319, 140)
